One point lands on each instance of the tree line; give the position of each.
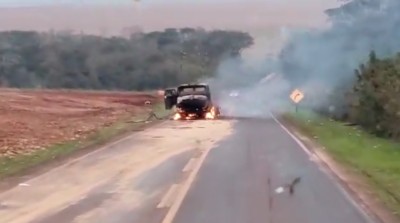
(376, 104)
(372, 101)
(142, 61)
(355, 62)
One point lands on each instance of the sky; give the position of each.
(263, 19)
(113, 15)
(266, 20)
(53, 2)
(6, 3)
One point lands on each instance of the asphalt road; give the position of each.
(121, 182)
(238, 183)
(221, 171)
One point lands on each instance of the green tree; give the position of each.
(142, 61)
(377, 87)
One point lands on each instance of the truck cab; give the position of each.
(190, 100)
(172, 96)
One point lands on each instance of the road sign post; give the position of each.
(296, 97)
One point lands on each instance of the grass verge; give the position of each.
(15, 165)
(377, 159)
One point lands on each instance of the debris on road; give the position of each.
(4, 206)
(293, 184)
(279, 190)
(152, 114)
(290, 187)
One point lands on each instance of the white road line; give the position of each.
(329, 173)
(170, 216)
(169, 196)
(298, 141)
(190, 165)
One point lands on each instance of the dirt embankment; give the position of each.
(34, 120)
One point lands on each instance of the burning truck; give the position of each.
(191, 101)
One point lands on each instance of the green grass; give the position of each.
(375, 158)
(14, 165)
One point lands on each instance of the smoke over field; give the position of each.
(321, 62)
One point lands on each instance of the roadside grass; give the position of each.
(15, 165)
(377, 159)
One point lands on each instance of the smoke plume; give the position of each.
(320, 62)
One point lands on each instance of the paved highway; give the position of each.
(221, 171)
(240, 181)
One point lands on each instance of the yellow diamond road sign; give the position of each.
(296, 96)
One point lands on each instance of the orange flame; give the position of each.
(209, 115)
(212, 114)
(177, 116)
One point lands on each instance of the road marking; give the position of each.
(190, 165)
(300, 143)
(168, 199)
(327, 171)
(170, 216)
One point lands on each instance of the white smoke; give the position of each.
(315, 61)
(243, 90)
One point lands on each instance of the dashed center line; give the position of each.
(169, 197)
(190, 165)
(183, 190)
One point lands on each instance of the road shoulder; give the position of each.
(102, 138)
(354, 183)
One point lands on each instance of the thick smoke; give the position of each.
(320, 62)
(249, 90)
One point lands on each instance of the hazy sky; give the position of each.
(264, 19)
(77, 2)
(53, 2)
(111, 16)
